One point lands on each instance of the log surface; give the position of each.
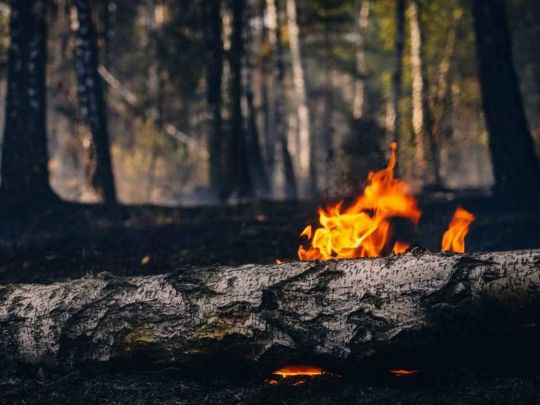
(349, 309)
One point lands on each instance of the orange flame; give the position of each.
(454, 238)
(402, 372)
(362, 229)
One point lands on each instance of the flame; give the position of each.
(400, 247)
(363, 229)
(294, 371)
(402, 372)
(454, 238)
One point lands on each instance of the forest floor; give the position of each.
(66, 240)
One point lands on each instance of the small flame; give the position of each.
(454, 237)
(402, 372)
(278, 261)
(363, 229)
(400, 247)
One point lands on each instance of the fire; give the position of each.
(402, 372)
(363, 229)
(454, 237)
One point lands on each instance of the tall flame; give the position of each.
(363, 229)
(454, 238)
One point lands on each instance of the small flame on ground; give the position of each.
(279, 261)
(402, 372)
(363, 229)
(454, 238)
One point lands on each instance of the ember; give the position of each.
(402, 372)
(363, 229)
(297, 375)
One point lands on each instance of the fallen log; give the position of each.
(345, 310)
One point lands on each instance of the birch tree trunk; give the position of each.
(274, 36)
(421, 115)
(306, 168)
(25, 176)
(342, 311)
(99, 169)
(362, 19)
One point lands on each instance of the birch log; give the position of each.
(345, 310)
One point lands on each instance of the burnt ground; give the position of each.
(55, 242)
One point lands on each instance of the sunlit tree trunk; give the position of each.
(274, 35)
(421, 113)
(25, 176)
(305, 162)
(238, 165)
(362, 19)
(214, 76)
(94, 110)
(393, 121)
(515, 164)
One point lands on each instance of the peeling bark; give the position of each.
(346, 310)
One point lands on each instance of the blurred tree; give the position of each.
(238, 164)
(362, 19)
(258, 173)
(306, 166)
(214, 74)
(25, 175)
(515, 164)
(274, 35)
(422, 122)
(397, 74)
(99, 170)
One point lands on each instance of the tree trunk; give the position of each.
(427, 164)
(155, 89)
(362, 18)
(94, 110)
(274, 35)
(255, 157)
(350, 310)
(515, 164)
(214, 75)
(238, 165)
(397, 75)
(25, 176)
(306, 167)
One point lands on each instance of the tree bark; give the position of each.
(515, 164)
(214, 76)
(92, 100)
(346, 311)
(25, 176)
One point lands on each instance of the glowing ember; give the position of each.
(454, 238)
(279, 261)
(402, 372)
(294, 371)
(363, 229)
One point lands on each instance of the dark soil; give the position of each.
(56, 242)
